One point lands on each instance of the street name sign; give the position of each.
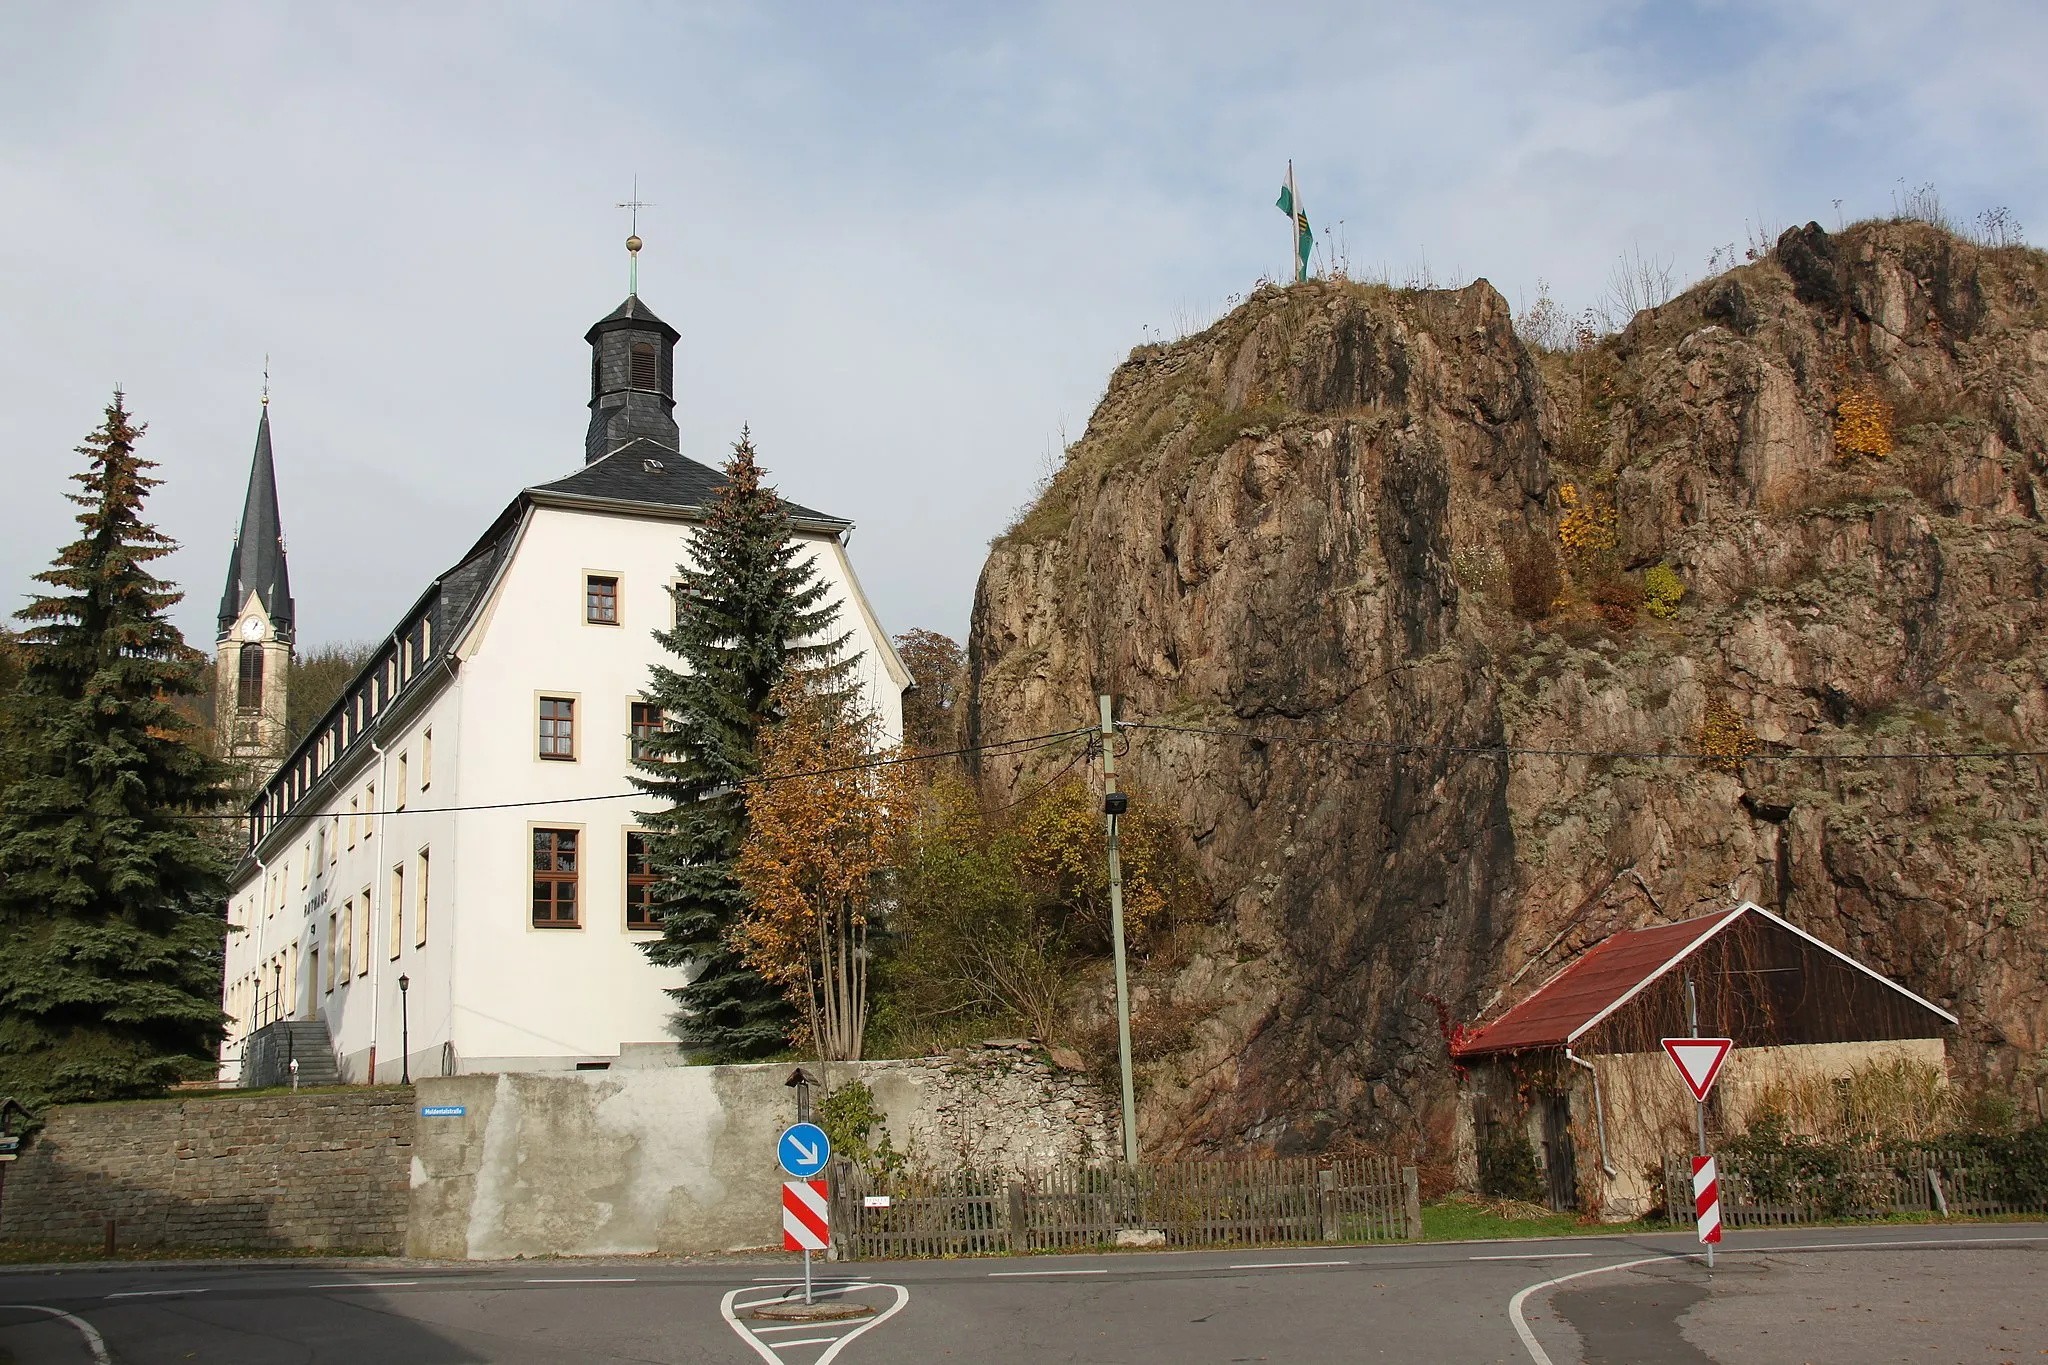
(1699, 1061)
(806, 1217)
(442, 1111)
(803, 1150)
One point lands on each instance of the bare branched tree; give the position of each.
(1636, 283)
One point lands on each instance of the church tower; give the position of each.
(632, 379)
(254, 647)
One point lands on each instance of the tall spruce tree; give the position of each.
(749, 609)
(111, 907)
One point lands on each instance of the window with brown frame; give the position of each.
(646, 719)
(554, 878)
(420, 918)
(640, 881)
(646, 368)
(368, 930)
(397, 910)
(557, 728)
(601, 599)
(427, 758)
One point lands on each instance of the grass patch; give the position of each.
(1464, 1220)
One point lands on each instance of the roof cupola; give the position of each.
(632, 379)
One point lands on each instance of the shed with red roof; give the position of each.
(1577, 1067)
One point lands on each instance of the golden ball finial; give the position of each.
(633, 244)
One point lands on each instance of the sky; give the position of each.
(906, 244)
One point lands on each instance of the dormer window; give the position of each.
(646, 368)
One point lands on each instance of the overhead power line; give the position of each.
(1022, 745)
(1525, 751)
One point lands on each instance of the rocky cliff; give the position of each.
(1383, 566)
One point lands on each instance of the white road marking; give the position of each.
(1536, 1256)
(590, 1279)
(365, 1284)
(1019, 1274)
(799, 1327)
(94, 1342)
(1283, 1265)
(784, 1279)
(1536, 1351)
(152, 1293)
(1871, 1246)
(767, 1350)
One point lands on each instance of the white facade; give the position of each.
(398, 840)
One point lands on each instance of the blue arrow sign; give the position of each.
(803, 1150)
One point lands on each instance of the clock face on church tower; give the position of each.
(252, 628)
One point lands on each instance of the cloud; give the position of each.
(906, 244)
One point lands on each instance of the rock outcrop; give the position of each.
(1426, 750)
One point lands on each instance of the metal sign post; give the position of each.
(803, 1151)
(1699, 1061)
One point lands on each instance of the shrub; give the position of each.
(1662, 589)
(849, 1116)
(1507, 1165)
(1863, 421)
(1618, 598)
(1725, 737)
(1590, 526)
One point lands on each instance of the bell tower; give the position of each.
(632, 378)
(253, 650)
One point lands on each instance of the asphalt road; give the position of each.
(1924, 1294)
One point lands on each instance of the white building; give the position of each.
(461, 822)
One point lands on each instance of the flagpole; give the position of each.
(1293, 217)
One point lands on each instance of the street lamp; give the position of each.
(404, 1032)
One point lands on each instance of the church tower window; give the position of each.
(646, 368)
(249, 682)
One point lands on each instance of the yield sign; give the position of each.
(1699, 1061)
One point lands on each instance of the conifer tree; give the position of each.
(749, 610)
(111, 907)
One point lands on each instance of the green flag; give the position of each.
(1290, 204)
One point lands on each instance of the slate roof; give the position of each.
(631, 313)
(643, 474)
(256, 564)
(1614, 971)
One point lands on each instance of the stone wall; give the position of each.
(682, 1159)
(314, 1170)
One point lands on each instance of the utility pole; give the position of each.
(1114, 804)
(1692, 1011)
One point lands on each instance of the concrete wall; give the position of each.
(325, 1170)
(1647, 1109)
(1650, 1113)
(682, 1159)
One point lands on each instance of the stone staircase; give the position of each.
(267, 1057)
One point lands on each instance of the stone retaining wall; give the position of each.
(320, 1170)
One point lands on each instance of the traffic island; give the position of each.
(795, 1310)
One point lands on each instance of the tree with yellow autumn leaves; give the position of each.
(825, 819)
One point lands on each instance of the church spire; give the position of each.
(256, 564)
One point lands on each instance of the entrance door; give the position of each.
(1560, 1160)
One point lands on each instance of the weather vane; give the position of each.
(636, 203)
(266, 379)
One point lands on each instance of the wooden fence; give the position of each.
(1194, 1203)
(1799, 1188)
